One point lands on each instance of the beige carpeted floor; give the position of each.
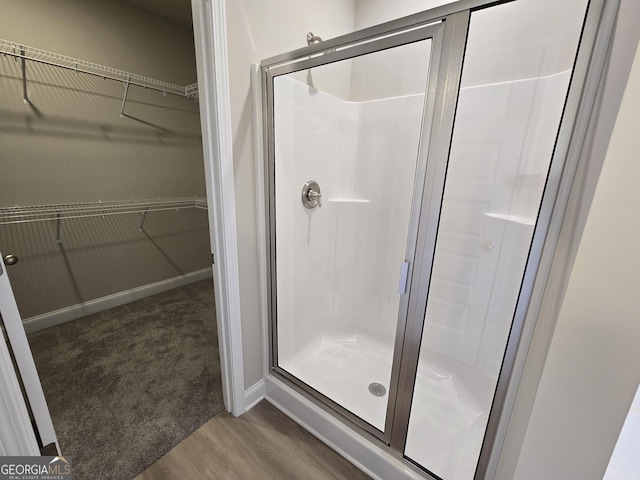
(126, 385)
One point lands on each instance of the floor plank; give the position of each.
(263, 444)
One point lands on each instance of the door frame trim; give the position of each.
(210, 35)
(25, 366)
(17, 437)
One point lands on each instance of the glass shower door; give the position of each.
(513, 91)
(346, 168)
(415, 186)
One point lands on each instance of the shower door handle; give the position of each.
(404, 278)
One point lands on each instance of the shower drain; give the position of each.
(377, 389)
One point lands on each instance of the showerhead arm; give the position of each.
(312, 39)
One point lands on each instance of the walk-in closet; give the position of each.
(104, 227)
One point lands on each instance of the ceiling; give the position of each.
(174, 11)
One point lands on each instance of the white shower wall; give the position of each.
(338, 266)
(332, 280)
(501, 149)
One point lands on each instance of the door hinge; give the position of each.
(49, 450)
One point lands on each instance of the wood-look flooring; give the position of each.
(263, 444)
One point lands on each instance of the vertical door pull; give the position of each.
(404, 278)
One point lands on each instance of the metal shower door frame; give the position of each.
(587, 72)
(356, 46)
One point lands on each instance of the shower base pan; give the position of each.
(445, 419)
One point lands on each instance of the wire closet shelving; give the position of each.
(42, 213)
(25, 53)
(65, 211)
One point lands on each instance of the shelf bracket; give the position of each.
(124, 99)
(144, 217)
(25, 96)
(58, 225)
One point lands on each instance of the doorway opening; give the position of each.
(104, 207)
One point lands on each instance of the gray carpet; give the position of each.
(124, 386)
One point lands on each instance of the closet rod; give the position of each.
(44, 213)
(24, 52)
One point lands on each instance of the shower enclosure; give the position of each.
(413, 170)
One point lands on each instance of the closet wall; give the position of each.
(72, 146)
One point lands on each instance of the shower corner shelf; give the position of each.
(513, 218)
(348, 200)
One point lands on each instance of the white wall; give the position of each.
(73, 146)
(625, 463)
(373, 12)
(593, 366)
(258, 29)
(109, 33)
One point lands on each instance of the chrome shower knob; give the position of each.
(311, 195)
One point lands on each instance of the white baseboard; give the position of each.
(63, 315)
(254, 395)
(369, 457)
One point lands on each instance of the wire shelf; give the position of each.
(191, 91)
(82, 66)
(42, 213)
